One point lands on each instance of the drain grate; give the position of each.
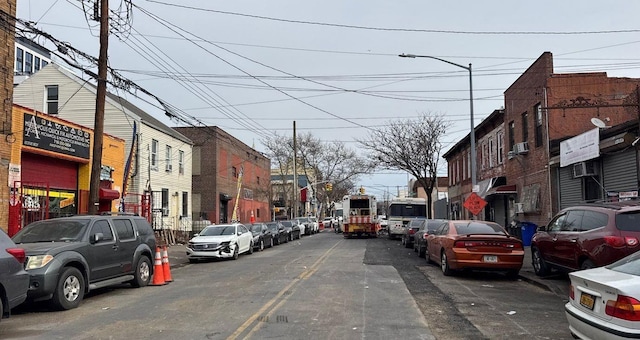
(263, 318)
(282, 319)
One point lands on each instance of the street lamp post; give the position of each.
(472, 135)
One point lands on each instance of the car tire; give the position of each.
(261, 247)
(444, 264)
(250, 251)
(587, 264)
(142, 273)
(69, 290)
(540, 267)
(235, 252)
(406, 243)
(2, 308)
(271, 242)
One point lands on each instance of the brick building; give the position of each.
(220, 161)
(7, 38)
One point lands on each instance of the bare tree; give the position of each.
(411, 145)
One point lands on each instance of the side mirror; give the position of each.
(542, 228)
(196, 235)
(239, 233)
(97, 237)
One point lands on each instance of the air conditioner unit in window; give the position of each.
(168, 167)
(521, 148)
(519, 208)
(582, 169)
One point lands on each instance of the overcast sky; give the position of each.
(253, 67)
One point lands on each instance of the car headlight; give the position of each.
(38, 261)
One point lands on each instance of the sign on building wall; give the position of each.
(582, 147)
(46, 134)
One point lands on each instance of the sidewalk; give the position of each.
(557, 283)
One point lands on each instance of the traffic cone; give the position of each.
(158, 273)
(166, 268)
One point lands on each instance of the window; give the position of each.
(185, 203)
(102, 226)
(491, 153)
(593, 220)
(124, 229)
(512, 138)
(258, 180)
(51, 99)
(525, 127)
(258, 216)
(167, 159)
(28, 63)
(234, 172)
(538, 110)
(592, 188)
(573, 221)
(483, 156)
(181, 162)
(45, 63)
(165, 202)
(154, 154)
(19, 60)
(36, 64)
(469, 163)
(500, 152)
(464, 168)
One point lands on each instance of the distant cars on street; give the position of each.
(410, 229)
(420, 236)
(292, 228)
(473, 244)
(587, 236)
(14, 280)
(278, 232)
(604, 303)
(220, 241)
(262, 236)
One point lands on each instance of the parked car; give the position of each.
(410, 229)
(472, 244)
(308, 225)
(278, 232)
(587, 236)
(262, 236)
(420, 236)
(604, 303)
(327, 222)
(220, 241)
(14, 280)
(68, 256)
(315, 224)
(292, 228)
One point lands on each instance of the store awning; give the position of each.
(486, 185)
(108, 194)
(503, 190)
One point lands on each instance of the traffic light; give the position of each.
(328, 186)
(361, 190)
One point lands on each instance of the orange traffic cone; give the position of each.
(158, 273)
(166, 268)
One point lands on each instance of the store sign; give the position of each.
(580, 148)
(51, 135)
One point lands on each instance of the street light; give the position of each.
(472, 136)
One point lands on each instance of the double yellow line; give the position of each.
(268, 306)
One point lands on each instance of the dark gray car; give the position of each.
(14, 280)
(420, 236)
(69, 256)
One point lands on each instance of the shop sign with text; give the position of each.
(47, 134)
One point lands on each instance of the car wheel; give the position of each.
(261, 247)
(271, 242)
(70, 289)
(587, 264)
(444, 264)
(250, 251)
(143, 272)
(540, 267)
(235, 252)
(407, 244)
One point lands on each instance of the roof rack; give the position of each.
(117, 213)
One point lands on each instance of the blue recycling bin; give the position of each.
(528, 229)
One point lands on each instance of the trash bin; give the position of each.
(528, 229)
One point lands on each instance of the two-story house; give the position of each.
(157, 172)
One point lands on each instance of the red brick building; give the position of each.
(7, 38)
(220, 162)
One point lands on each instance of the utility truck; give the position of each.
(359, 216)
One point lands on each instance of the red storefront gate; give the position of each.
(28, 202)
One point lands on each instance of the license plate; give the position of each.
(587, 300)
(490, 258)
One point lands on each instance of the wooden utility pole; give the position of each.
(98, 126)
(295, 172)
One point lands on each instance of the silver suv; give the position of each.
(68, 256)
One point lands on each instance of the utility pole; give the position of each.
(98, 126)
(295, 173)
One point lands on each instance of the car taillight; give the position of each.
(425, 235)
(614, 241)
(470, 244)
(572, 295)
(411, 231)
(18, 253)
(625, 307)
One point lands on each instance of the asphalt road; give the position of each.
(319, 287)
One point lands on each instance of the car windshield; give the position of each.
(432, 225)
(272, 226)
(415, 223)
(287, 223)
(628, 265)
(66, 230)
(255, 228)
(478, 227)
(303, 220)
(629, 221)
(218, 230)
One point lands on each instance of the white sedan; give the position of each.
(604, 302)
(220, 241)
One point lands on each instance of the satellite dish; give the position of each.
(599, 123)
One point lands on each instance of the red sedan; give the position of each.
(471, 244)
